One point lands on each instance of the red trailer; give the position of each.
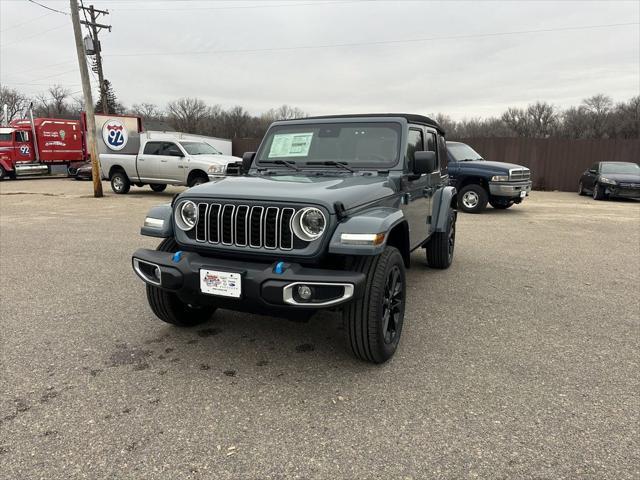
(32, 146)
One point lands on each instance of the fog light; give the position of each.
(304, 292)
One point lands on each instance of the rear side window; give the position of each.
(153, 148)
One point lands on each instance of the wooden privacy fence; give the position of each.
(555, 163)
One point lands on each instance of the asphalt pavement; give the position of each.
(520, 361)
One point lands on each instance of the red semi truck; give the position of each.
(32, 146)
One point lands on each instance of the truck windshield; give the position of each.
(366, 145)
(620, 168)
(199, 148)
(461, 152)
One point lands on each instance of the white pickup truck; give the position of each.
(165, 159)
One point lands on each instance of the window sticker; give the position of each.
(290, 145)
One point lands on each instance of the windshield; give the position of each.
(620, 168)
(373, 145)
(461, 152)
(199, 148)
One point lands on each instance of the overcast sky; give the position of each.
(412, 56)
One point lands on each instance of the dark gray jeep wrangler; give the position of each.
(325, 216)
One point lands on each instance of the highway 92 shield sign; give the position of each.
(114, 135)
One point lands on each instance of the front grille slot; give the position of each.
(201, 227)
(519, 174)
(245, 226)
(214, 225)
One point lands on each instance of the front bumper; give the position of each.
(263, 290)
(509, 189)
(622, 191)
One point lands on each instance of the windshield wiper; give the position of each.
(283, 162)
(333, 163)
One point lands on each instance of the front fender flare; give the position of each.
(152, 226)
(376, 220)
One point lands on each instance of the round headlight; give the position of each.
(309, 224)
(187, 215)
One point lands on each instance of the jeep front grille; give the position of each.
(243, 225)
(519, 174)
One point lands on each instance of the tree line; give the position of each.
(596, 117)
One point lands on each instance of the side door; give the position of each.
(148, 161)
(416, 199)
(172, 163)
(590, 176)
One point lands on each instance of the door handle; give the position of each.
(163, 161)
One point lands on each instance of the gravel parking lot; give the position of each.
(521, 361)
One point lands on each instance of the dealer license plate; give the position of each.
(523, 193)
(223, 284)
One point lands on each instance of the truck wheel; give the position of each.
(158, 187)
(197, 179)
(168, 307)
(120, 182)
(440, 247)
(373, 323)
(472, 198)
(3, 172)
(501, 204)
(598, 192)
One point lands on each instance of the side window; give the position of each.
(443, 155)
(153, 148)
(22, 136)
(415, 143)
(432, 145)
(171, 149)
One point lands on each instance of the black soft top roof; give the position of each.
(410, 117)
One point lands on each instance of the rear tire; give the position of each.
(158, 187)
(441, 245)
(373, 323)
(168, 307)
(472, 198)
(120, 183)
(501, 204)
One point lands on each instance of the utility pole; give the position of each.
(88, 100)
(94, 28)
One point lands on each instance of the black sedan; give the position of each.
(611, 179)
(84, 172)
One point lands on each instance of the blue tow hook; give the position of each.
(177, 256)
(279, 268)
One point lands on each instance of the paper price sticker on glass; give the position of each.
(290, 145)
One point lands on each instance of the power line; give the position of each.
(48, 8)
(36, 35)
(376, 42)
(45, 67)
(242, 7)
(25, 22)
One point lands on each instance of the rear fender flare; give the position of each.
(444, 199)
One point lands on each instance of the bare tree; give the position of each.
(186, 114)
(599, 108)
(542, 120)
(16, 102)
(54, 103)
(517, 120)
(148, 111)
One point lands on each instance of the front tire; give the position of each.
(580, 188)
(120, 183)
(197, 179)
(168, 307)
(373, 323)
(472, 198)
(158, 187)
(440, 247)
(598, 192)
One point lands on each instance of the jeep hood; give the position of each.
(351, 190)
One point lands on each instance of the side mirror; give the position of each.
(424, 162)
(247, 160)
